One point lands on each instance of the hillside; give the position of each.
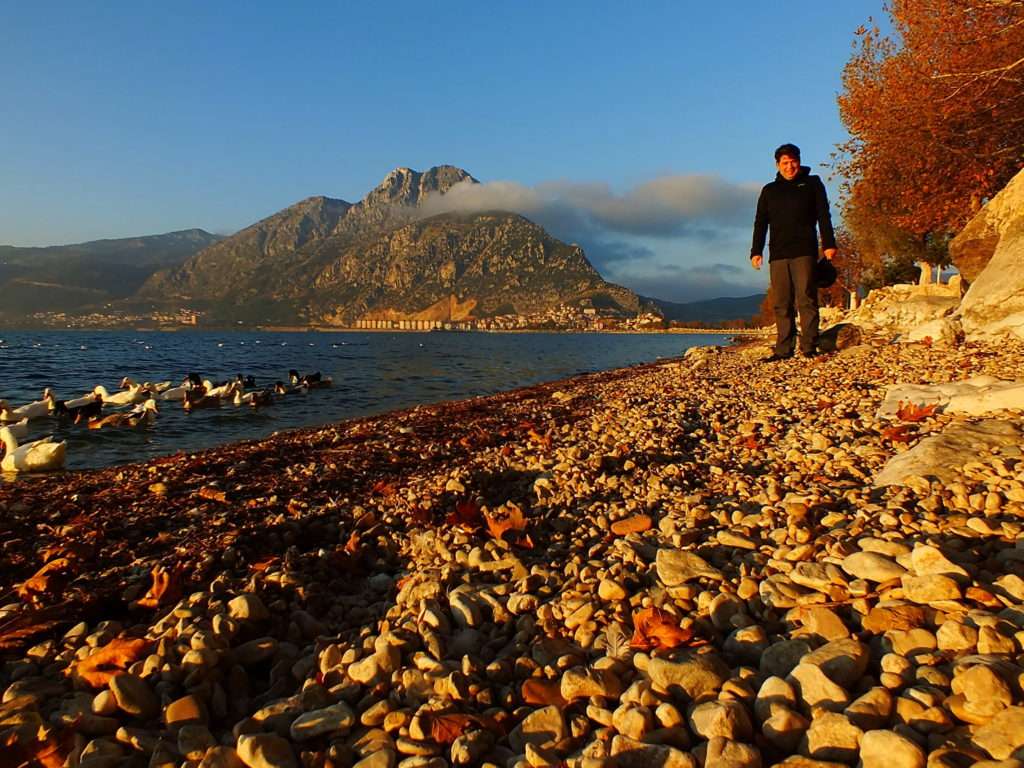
(65, 278)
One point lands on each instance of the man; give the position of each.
(791, 207)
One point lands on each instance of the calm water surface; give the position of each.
(372, 372)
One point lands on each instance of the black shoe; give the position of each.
(809, 353)
(775, 358)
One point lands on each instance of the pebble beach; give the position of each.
(685, 563)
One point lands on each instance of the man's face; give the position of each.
(788, 166)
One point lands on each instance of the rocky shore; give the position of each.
(680, 564)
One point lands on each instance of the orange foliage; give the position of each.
(934, 112)
(911, 412)
(899, 433)
(113, 658)
(512, 520)
(655, 628)
(466, 516)
(166, 587)
(46, 581)
(43, 749)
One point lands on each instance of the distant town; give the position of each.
(565, 317)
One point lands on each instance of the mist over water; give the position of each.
(372, 372)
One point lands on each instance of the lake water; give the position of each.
(372, 372)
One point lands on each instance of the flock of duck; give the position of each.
(137, 408)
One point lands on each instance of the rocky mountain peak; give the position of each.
(406, 187)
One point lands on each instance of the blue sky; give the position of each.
(641, 131)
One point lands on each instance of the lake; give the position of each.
(372, 373)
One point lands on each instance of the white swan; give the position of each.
(38, 456)
(34, 410)
(130, 396)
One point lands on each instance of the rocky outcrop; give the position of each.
(975, 246)
(909, 312)
(994, 304)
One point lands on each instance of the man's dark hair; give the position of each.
(787, 149)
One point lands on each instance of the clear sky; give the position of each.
(640, 130)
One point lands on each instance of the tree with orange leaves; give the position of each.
(935, 113)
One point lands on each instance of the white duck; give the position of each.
(38, 456)
(78, 402)
(34, 410)
(19, 428)
(227, 389)
(141, 415)
(134, 394)
(157, 388)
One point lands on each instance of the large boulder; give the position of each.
(994, 304)
(975, 246)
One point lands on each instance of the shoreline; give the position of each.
(754, 332)
(711, 486)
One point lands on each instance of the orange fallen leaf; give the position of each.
(655, 628)
(46, 581)
(512, 520)
(383, 488)
(43, 749)
(213, 494)
(635, 524)
(466, 516)
(899, 433)
(444, 729)
(543, 440)
(166, 587)
(912, 412)
(113, 658)
(751, 443)
(261, 565)
(541, 692)
(353, 545)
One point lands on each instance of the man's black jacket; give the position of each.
(791, 209)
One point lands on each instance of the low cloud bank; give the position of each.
(667, 237)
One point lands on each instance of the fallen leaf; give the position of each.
(751, 443)
(166, 587)
(466, 516)
(912, 412)
(383, 488)
(444, 729)
(213, 494)
(353, 545)
(541, 692)
(46, 581)
(899, 433)
(113, 658)
(655, 628)
(45, 749)
(261, 565)
(500, 524)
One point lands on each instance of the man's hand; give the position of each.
(758, 260)
(830, 253)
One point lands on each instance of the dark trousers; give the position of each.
(794, 289)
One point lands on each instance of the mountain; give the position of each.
(70, 277)
(712, 310)
(329, 261)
